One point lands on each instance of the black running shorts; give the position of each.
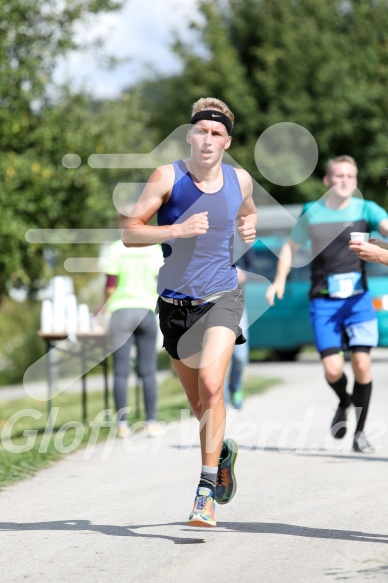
(187, 325)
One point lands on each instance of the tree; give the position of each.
(32, 37)
(39, 192)
(38, 126)
(322, 65)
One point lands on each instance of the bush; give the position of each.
(19, 345)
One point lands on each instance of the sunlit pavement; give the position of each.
(307, 508)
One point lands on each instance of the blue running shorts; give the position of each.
(344, 323)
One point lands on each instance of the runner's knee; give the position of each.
(211, 389)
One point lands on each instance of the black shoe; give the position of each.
(361, 444)
(338, 425)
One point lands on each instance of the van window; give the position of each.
(264, 262)
(376, 270)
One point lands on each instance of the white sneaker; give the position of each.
(154, 429)
(123, 431)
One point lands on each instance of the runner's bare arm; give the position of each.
(138, 233)
(284, 265)
(375, 251)
(383, 227)
(247, 212)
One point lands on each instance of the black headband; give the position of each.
(213, 115)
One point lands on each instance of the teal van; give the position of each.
(285, 327)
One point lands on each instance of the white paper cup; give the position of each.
(83, 318)
(46, 317)
(71, 316)
(359, 236)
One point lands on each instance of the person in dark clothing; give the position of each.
(341, 307)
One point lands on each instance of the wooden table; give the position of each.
(91, 348)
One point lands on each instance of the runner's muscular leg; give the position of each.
(188, 376)
(361, 363)
(217, 351)
(333, 366)
(202, 377)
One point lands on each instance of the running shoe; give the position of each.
(123, 431)
(361, 444)
(338, 425)
(226, 484)
(237, 399)
(203, 513)
(154, 429)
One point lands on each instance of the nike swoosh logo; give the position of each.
(215, 115)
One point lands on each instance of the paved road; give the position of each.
(307, 508)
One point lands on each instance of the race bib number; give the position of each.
(344, 285)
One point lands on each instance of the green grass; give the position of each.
(23, 425)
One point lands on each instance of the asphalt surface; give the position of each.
(307, 509)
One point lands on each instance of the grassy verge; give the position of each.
(28, 443)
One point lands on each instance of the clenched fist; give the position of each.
(198, 224)
(246, 230)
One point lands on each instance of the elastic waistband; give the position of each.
(189, 303)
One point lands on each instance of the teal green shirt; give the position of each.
(329, 232)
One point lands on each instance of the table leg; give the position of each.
(50, 347)
(84, 400)
(106, 392)
(137, 396)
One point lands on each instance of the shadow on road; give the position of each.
(323, 453)
(303, 531)
(107, 529)
(241, 527)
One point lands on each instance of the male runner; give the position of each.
(341, 308)
(197, 202)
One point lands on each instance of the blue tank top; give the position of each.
(203, 265)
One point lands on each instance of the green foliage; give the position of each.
(19, 346)
(39, 125)
(32, 36)
(43, 451)
(39, 192)
(323, 65)
(16, 465)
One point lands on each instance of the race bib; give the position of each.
(345, 285)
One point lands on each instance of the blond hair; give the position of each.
(338, 160)
(212, 103)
